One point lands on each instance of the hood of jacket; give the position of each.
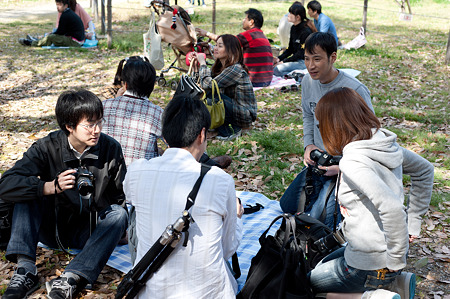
(382, 148)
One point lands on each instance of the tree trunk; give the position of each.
(109, 23)
(364, 21)
(95, 9)
(103, 19)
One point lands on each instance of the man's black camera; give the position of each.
(84, 180)
(322, 159)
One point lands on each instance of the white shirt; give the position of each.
(158, 189)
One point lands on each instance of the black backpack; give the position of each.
(6, 212)
(279, 268)
(316, 239)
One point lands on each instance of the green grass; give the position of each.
(408, 80)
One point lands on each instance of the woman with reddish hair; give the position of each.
(370, 194)
(235, 86)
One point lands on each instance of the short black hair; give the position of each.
(63, 1)
(256, 16)
(183, 120)
(315, 6)
(72, 106)
(140, 77)
(324, 40)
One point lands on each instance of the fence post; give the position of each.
(447, 56)
(103, 15)
(364, 21)
(214, 17)
(109, 31)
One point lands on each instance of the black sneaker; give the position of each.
(62, 288)
(25, 42)
(21, 285)
(31, 38)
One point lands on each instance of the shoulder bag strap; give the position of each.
(193, 194)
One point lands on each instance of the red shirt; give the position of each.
(257, 56)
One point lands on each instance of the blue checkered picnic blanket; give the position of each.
(254, 225)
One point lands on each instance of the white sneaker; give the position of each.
(380, 294)
(405, 285)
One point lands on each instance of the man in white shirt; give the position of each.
(158, 188)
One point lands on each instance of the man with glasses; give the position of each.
(50, 206)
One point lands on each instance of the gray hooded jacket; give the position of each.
(371, 196)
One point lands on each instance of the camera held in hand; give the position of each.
(322, 159)
(84, 181)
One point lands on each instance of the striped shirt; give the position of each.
(135, 123)
(257, 56)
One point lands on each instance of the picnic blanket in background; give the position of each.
(253, 226)
(87, 44)
(278, 82)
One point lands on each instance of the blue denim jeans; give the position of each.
(35, 221)
(333, 274)
(287, 67)
(289, 200)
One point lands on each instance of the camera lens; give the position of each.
(85, 186)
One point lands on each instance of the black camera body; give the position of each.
(84, 181)
(322, 159)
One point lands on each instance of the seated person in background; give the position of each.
(293, 57)
(84, 16)
(47, 199)
(371, 200)
(284, 28)
(70, 32)
(216, 233)
(231, 76)
(258, 56)
(131, 118)
(322, 22)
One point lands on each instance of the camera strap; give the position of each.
(336, 204)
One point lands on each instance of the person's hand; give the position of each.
(306, 157)
(276, 60)
(200, 32)
(330, 170)
(201, 58)
(412, 238)
(66, 181)
(239, 207)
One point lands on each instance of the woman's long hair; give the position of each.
(72, 4)
(344, 117)
(234, 54)
(297, 9)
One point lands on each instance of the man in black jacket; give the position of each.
(70, 31)
(67, 191)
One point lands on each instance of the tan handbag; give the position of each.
(183, 36)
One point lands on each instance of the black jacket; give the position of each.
(296, 49)
(52, 154)
(70, 24)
